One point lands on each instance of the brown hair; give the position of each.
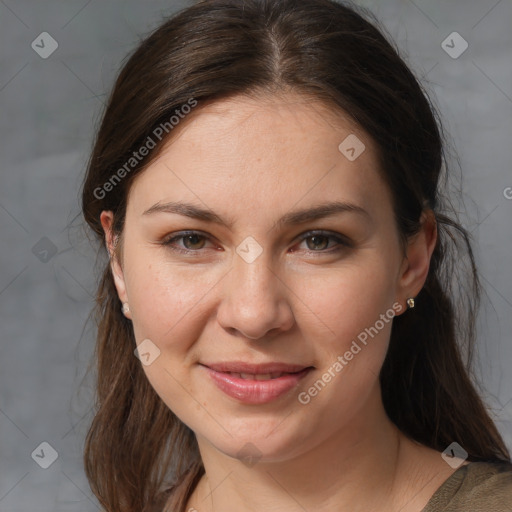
(330, 51)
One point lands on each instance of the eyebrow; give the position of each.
(291, 218)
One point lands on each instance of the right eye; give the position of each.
(191, 239)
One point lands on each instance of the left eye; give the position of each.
(320, 241)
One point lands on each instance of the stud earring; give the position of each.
(410, 303)
(125, 308)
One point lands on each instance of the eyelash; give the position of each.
(341, 241)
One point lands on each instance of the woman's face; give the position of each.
(260, 281)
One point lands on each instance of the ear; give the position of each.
(106, 219)
(416, 263)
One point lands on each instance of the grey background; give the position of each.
(50, 108)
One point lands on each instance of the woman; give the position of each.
(267, 180)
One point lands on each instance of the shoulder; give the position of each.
(478, 487)
(489, 480)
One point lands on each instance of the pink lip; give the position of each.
(256, 391)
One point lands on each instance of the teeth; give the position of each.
(261, 376)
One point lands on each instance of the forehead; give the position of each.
(272, 152)
(263, 128)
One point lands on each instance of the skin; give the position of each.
(252, 161)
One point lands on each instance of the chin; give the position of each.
(260, 441)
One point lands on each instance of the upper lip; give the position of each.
(255, 369)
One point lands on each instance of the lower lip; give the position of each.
(255, 391)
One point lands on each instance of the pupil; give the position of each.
(194, 238)
(317, 237)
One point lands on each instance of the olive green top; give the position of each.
(476, 487)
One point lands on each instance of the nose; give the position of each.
(255, 301)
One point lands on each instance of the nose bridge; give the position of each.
(256, 275)
(252, 267)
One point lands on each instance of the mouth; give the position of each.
(256, 384)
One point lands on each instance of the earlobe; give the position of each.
(106, 219)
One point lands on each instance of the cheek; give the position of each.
(353, 342)
(343, 302)
(169, 305)
(167, 300)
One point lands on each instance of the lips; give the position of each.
(255, 383)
